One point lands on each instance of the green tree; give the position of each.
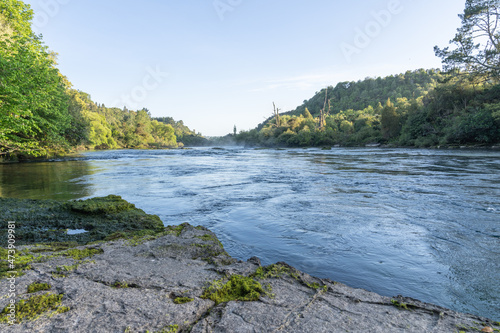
(100, 135)
(390, 121)
(163, 134)
(477, 42)
(33, 102)
(307, 114)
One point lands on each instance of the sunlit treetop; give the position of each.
(18, 16)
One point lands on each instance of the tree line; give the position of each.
(422, 108)
(41, 113)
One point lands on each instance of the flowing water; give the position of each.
(421, 223)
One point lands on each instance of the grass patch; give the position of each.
(238, 287)
(35, 287)
(34, 307)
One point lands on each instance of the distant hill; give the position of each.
(358, 95)
(421, 108)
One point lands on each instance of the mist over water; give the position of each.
(421, 223)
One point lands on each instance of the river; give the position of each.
(421, 223)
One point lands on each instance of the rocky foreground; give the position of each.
(182, 280)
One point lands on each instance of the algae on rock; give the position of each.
(241, 288)
(34, 307)
(46, 221)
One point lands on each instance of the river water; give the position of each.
(421, 223)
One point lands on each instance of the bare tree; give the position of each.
(277, 115)
(323, 114)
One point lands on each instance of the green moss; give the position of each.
(111, 204)
(120, 285)
(67, 268)
(206, 237)
(314, 285)
(34, 307)
(53, 247)
(210, 238)
(62, 270)
(58, 275)
(183, 300)
(238, 287)
(401, 305)
(47, 221)
(210, 251)
(79, 254)
(464, 328)
(23, 261)
(271, 271)
(170, 329)
(276, 271)
(35, 287)
(175, 230)
(26, 257)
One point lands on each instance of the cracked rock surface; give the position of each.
(133, 287)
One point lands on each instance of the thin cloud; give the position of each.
(301, 82)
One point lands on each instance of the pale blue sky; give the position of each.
(215, 64)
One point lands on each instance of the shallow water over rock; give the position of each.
(422, 223)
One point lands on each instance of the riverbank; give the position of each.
(180, 279)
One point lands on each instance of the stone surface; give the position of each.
(132, 285)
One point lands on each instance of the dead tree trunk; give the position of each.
(323, 113)
(277, 115)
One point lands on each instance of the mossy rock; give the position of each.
(241, 288)
(34, 307)
(36, 287)
(111, 204)
(48, 221)
(183, 300)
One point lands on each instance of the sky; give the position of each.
(216, 64)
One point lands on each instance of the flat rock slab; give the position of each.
(132, 287)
